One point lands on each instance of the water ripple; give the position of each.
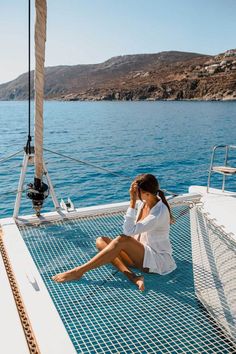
(172, 140)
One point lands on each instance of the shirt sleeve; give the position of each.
(130, 228)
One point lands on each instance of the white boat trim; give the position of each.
(220, 206)
(213, 234)
(11, 325)
(89, 211)
(44, 318)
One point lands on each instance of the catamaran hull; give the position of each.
(214, 258)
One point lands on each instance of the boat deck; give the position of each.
(219, 205)
(213, 231)
(9, 316)
(104, 312)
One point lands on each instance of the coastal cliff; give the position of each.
(163, 76)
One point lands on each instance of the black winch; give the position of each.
(37, 192)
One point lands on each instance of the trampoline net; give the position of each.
(104, 312)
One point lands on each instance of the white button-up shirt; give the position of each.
(153, 232)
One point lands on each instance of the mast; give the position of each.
(40, 39)
(38, 191)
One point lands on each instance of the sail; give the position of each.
(40, 39)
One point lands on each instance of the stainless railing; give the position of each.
(225, 169)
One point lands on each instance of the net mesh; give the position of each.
(104, 312)
(214, 262)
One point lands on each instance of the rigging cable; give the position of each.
(88, 164)
(100, 168)
(8, 157)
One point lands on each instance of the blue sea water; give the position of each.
(172, 140)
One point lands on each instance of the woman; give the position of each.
(145, 243)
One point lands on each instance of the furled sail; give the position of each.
(38, 191)
(40, 39)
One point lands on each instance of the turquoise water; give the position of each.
(173, 140)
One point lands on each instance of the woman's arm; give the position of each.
(133, 194)
(130, 228)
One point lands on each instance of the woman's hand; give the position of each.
(133, 191)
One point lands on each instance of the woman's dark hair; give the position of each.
(149, 183)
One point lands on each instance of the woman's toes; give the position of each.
(140, 283)
(58, 277)
(70, 275)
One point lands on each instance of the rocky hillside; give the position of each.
(162, 76)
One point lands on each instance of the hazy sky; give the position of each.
(91, 31)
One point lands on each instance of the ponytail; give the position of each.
(163, 198)
(149, 183)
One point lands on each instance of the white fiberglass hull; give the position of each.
(213, 232)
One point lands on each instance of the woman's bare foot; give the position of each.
(139, 281)
(73, 274)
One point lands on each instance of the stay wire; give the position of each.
(100, 168)
(13, 191)
(88, 164)
(10, 156)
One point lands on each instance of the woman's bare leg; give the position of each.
(103, 241)
(130, 246)
(122, 262)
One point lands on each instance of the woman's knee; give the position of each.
(101, 242)
(121, 239)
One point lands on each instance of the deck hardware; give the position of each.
(225, 169)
